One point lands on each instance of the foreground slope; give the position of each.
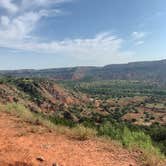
(104, 109)
(22, 143)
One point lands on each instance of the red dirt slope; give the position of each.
(21, 144)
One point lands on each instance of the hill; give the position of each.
(130, 112)
(149, 71)
(25, 144)
(123, 102)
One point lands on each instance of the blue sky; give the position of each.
(61, 33)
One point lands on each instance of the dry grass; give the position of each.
(148, 157)
(83, 133)
(151, 159)
(79, 132)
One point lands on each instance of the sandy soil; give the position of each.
(21, 144)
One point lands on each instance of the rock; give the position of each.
(55, 164)
(19, 163)
(40, 158)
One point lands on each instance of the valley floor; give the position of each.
(22, 143)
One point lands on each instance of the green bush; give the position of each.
(81, 132)
(136, 138)
(110, 130)
(130, 137)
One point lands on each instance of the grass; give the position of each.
(83, 133)
(135, 141)
(150, 155)
(132, 140)
(78, 132)
(35, 119)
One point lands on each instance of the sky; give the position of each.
(63, 33)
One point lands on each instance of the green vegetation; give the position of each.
(129, 138)
(116, 88)
(136, 99)
(131, 112)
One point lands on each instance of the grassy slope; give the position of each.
(133, 140)
(35, 91)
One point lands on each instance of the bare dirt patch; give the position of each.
(21, 147)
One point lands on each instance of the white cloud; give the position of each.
(138, 38)
(26, 4)
(140, 42)
(16, 33)
(4, 21)
(101, 49)
(9, 5)
(138, 35)
(19, 26)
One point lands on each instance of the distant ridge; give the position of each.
(147, 70)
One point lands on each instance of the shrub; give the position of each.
(20, 111)
(136, 138)
(110, 130)
(28, 116)
(83, 133)
(130, 138)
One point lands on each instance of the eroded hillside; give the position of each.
(38, 95)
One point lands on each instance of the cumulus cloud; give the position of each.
(138, 37)
(32, 5)
(19, 26)
(5, 21)
(8, 5)
(40, 3)
(140, 42)
(100, 44)
(16, 33)
(100, 48)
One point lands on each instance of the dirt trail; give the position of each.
(20, 145)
